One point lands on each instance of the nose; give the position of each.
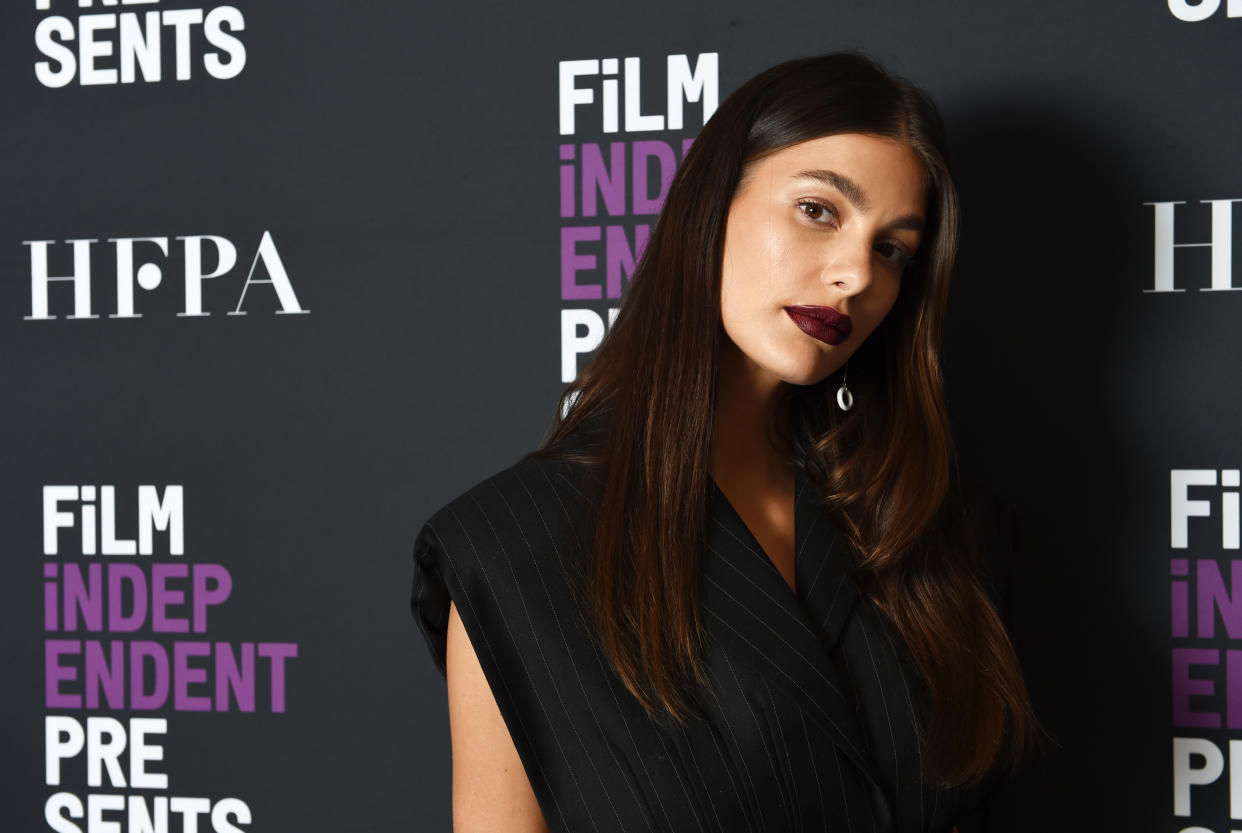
(849, 267)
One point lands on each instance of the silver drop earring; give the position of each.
(845, 399)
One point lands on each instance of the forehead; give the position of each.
(889, 172)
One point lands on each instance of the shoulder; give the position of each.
(535, 491)
(501, 549)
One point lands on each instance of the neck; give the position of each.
(747, 399)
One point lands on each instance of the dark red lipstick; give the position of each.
(823, 323)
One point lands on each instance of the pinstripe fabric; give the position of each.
(810, 722)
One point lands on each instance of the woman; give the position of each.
(733, 590)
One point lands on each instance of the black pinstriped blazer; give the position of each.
(810, 720)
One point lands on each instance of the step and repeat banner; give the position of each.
(281, 278)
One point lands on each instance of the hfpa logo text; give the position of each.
(148, 271)
(1220, 244)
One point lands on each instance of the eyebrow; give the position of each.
(853, 192)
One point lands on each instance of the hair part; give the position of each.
(885, 470)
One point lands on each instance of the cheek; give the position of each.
(738, 305)
(746, 285)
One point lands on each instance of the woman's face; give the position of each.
(816, 241)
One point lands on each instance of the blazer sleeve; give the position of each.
(465, 555)
(491, 554)
(430, 595)
(499, 552)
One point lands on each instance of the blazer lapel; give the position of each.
(825, 589)
(786, 637)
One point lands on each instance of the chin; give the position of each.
(803, 376)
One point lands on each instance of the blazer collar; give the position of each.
(786, 636)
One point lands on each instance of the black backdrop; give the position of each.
(387, 177)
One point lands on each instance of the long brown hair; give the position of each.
(885, 469)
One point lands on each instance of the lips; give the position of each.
(823, 323)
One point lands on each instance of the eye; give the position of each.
(818, 212)
(895, 253)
